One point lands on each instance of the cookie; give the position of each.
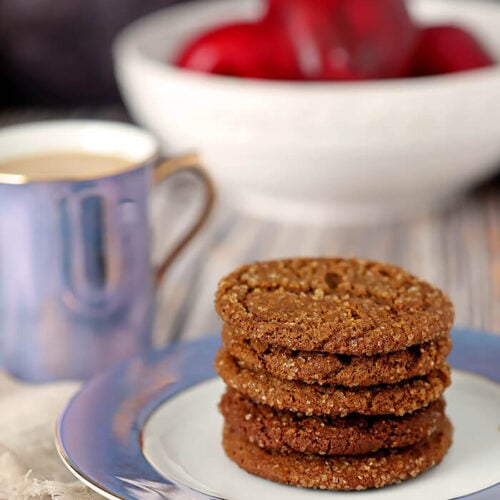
(284, 431)
(342, 306)
(314, 399)
(340, 369)
(338, 472)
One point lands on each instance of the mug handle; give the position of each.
(165, 168)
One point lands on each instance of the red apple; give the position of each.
(249, 50)
(449, 49)
(348, 39)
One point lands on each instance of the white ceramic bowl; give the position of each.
(318, 152)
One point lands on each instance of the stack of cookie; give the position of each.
(335, 370)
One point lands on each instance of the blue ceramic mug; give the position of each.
(76, 282)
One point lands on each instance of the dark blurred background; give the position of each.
(57, 52)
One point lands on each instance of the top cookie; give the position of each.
(342, 306)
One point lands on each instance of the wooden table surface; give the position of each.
(457, 249)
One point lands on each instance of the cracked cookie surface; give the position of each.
(328, 368)
(314, 399)
(338, 472)
(342, 306)
(284, 431)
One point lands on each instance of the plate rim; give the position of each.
(140, 417)
(212, 342)
(83, 478)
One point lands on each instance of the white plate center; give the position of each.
(182, 440)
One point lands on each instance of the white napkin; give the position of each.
(30, 467)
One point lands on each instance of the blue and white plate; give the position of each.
(149, 429)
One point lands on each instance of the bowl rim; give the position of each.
(125, 46)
